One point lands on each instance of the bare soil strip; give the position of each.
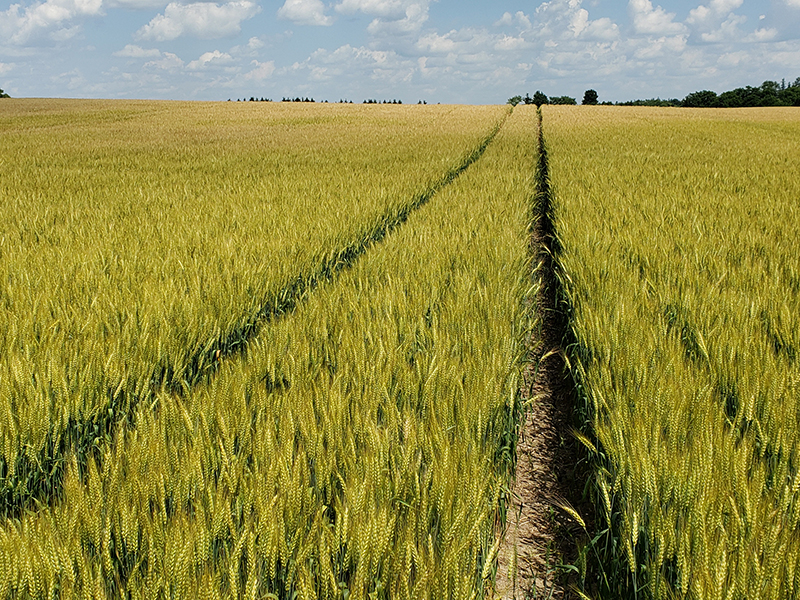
(541, 537)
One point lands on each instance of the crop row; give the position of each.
(147, 241)
(680, 236)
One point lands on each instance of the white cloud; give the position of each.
(435, 43)
(715, 8)
(251, 48)
(168, 62)
(391, 9)
(416, 14)
(663, 46)
(520, 18)
(19, 26)
(566, 20)
(73, 80)
(5, 67)
(132, 51)
(603, 28)
(725, 6)
(392, 17)
(793, 3)
(509, 42)
(210, 58)
(732, 59)
(649, 20)
(699, 15)
(135, 4)
(261, 71)
(764, 34)
(360, 67)
(727, 31)
(254, 43)
(205, 20)
(305, 12)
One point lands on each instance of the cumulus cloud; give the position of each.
(793, 3)
(392, 17)
(135, 4)
(305, 12)
(727, 31)
(214, 58)
(416, 15)
(510, 42)
(73, 79)
(389, 9)
(254, 43)
(132, 51)
(50, 18)
(519, 18)
(600, 29)
(205, 20)
(436, 44)
(649, 20)
(765, 34)
(663, 46)
(715, 8)
(562, 20)
(261, 70)
(168, 62)
(361, 67)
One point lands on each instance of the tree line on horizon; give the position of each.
(769, 93)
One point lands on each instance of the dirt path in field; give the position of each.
(540, 536)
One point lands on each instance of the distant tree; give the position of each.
(540, 98)
(589, 97)
(514, 100)
(3, 94)
(527, 99)
(562, 100)
(702, 99)
(651, 102)
(791, 95)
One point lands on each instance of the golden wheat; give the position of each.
(680, 231)
(357, 450)
(141, 240)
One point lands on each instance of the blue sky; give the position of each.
(440, 51)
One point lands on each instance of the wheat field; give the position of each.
(361, 444)
(144, 240)
(680, 232)
(257, 350)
